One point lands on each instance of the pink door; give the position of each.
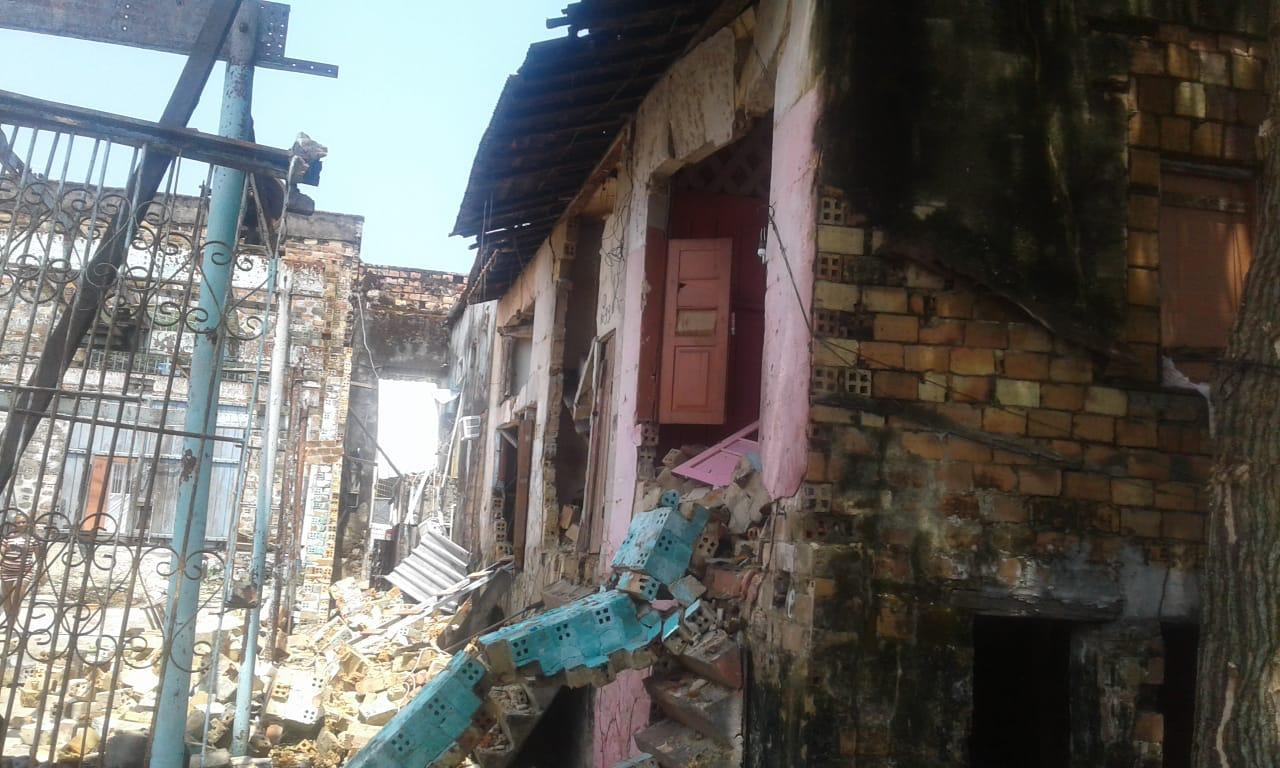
(695, 332)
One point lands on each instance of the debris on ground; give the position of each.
(344, 679)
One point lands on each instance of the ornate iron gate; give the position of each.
(87, 519)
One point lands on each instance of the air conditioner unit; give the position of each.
(470, 427)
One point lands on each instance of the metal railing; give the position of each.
(84, 574)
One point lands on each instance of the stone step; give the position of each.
(712, 710)
(715, 656)
(675, 745)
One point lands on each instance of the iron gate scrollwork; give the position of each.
(86, 524)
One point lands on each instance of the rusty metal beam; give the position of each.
(98, 275)
(161, 25)
(210, 148)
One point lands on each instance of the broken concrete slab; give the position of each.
(714, 711)
(675, 745)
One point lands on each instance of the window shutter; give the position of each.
(1205, 251)
(695, 333)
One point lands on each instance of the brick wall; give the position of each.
(420, 291)
(1192, 96)
(966, 458)
(325, 271)
(406, 311)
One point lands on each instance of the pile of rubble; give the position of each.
(739, 504)
(683, 580)
(343, 680)
(698, 688)
(67, 701)
(82, 685)
(334, 686)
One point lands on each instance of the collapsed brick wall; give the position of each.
(965, 460)
(407, 311)
(399, 331)
(320, 356)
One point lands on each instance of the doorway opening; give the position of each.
(560, 739)
(1178, 693)
(511, 493)
(712, 324)
(1021, 693)
(573, 435)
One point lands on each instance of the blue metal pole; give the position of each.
(168, 745)
(266, 482)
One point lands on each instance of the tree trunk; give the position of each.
(1238, 693)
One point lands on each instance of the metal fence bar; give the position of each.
(94, 492)
(168, 747)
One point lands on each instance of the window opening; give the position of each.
(1205, 247)
(518, 347)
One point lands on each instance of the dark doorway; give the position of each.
(1021, 693)
(562, 738)
(515, 449)
(1178, 694)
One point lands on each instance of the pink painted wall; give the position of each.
(696, 105)
(622, 707)
(784, 412)
(626, 439)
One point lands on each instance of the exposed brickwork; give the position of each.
(997, 465)
(1194, 96)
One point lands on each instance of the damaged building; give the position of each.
(97, 485)
(918, 303)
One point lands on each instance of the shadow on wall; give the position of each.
(998, 115)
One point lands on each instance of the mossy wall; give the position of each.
(964, 459)
(994, 133)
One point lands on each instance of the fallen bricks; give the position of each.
(341, 680)
(345, 679)
(488, 700)
(82, 712)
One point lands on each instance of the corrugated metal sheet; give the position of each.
(434, 567)
(558, 116)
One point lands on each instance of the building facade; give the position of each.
(957, 276)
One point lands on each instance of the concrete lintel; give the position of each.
(1029, 606)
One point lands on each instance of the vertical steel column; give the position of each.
(168, 745)
(262, 522)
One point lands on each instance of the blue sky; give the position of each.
(419, 80)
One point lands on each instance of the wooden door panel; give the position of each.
(693, 365)
(1205, 247)
(742, 219)
(103, 509)
(691, 266)
(96, 501)
(524, 467)
(716, 465)
(696, 332)
(601, 449)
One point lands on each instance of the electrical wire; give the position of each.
(840, 353)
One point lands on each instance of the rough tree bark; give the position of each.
(1238, 692)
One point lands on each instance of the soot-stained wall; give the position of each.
(992, 135)
(969, 458)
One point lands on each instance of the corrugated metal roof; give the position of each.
(434, 567)
(556, 119)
